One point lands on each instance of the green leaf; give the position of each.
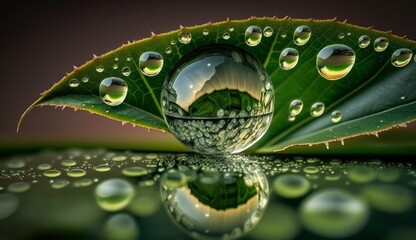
(373, 96)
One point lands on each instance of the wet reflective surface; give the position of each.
(131, 195)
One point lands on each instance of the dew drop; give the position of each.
(291, 118)
(59, 183)
(168, 50)
(364, 41)
(283, 35)
(18, 187)
(128, 59)
(151, 63)
(317, 109)
(134, 171)
(126, 71)
(341, 35)
(185, 37)
(336, 116)
(288, 58)
(311, 169)
(68, 163)
(44, 166)
(195, 111)
(73, 83)
(253, 36)
(76, 172)
(295, 107)
(114, 194)
(118, 158)
(52, 173)
(380, 44)
(85, 79)
(113, 91)
(291, 185)
(99, 69)
(205, 32)
(335, 61)
(226, 36)
(102, 168)
(268, 31)
(302, 35)
(401, 57)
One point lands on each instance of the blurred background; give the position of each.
(41, 40)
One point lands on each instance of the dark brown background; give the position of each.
(41, 40)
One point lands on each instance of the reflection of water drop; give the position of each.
(317, 109)
(59, 183)
(335, 61)
(151, 63)
(302, 35)
(121, 227)
(76, 172)
(334, 213)
(174, 179)
(113, 91)
(341, 35)
(253, 36)
(288, 58)
(364, 41)
(114, 194)
(52, 173)
(135, 171)
(361, 174)
(401, 57)
(102, 168)
(380, 44)
(99, 69)
(15, 163)
(126, 71)
(291, 185)
(18, 187)
(44, 166)
(206, 100)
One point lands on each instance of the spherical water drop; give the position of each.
(364, 41)
(336, 116)
(126, 71)
(52, 173)
(210, 80)
(380, 44)
(231, 29)
(283, 35)
(341, 35)
(226, 36)
(173, 42)
(335, 61)
(302, 35)
(317, 109)
(73, 83)
(291, 118)
(334, 213)
(401, 57)
(83, 182)
(85, 79)
(113, 91)
(288, 58)
(268, 31)
(168, 50)
(291, 185)
(99, 69)
(295, 107)
(151, 63)
(185, 37)
(114, 194)
(121, 226)
(77, 172)
(253, 36)
(18, 187)
(174, 179)
(205, 32)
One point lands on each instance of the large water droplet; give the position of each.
(302, 35)
(253, 36)
(288, 58)
(317, 109)
(336, 116)
(380, 44)
(364, 41)
(335, 61)
(73, 83)
(185, 37)
(295, 107)
(341, 35)
(268, 31)
(334, 213)
(218, 100)
(113, 91)
(151, 63)
(291, 185)
(114, 194)
(121, 226)
(401, 57)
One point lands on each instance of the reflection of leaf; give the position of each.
(374, 96)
